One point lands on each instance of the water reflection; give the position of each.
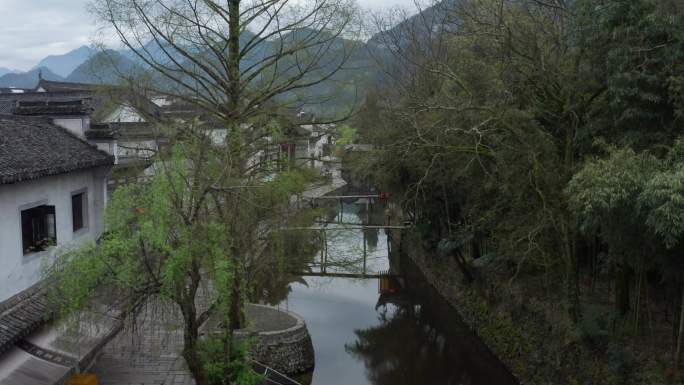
(408, 337)
(347, 245)
(371, 215)
(272, 276)
(371, 238)
(400, 350)
(419, 339)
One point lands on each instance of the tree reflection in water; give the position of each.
(371, 239)
(411, 337)
(272, 276)
(420, 339)
(374, 216)
(402, 351)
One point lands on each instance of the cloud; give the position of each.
(33, 29)
(383, 5)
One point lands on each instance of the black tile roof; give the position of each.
(54, 86)
(48, 107)
(101, 101)
(125, 131)
(9, 103)
(12, 90)
(32, 148)
(22, 314)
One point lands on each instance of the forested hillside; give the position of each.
(542, 145)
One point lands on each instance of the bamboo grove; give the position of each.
(547, 139)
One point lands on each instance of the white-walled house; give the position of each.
(311, 148)
(52, 195)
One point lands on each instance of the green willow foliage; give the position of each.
(200, 242)
(148, 246)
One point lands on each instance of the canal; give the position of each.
(408, 336)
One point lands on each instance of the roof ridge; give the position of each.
(69, 83)
(36, 147)
(37, 118)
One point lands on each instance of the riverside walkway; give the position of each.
(150, 352)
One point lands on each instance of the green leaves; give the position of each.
(640, 49)
(663, 197)
(606, 191)
(348, 135)
(75, 275)
(631, 194)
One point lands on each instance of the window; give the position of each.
(78, 210)
(38, 230)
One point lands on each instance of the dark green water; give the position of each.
(411, 337)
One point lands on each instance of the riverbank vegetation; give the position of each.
(539, 147)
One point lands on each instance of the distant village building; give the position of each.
(316, 143)
(63, 148)
(114, 120)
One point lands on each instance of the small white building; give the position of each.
(52, 194)
(315, 146)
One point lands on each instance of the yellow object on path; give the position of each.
(83, 379)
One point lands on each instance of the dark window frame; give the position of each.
(38, 228)
(82, 224)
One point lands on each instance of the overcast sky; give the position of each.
(33, 29)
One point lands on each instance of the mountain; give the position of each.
(104, 67)
(159, 53)
(27, 79)
(63, 65)
(4, 71)
(422, 25)
(409, 37)
(335, 94)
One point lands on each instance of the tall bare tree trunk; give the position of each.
(572, 274)
(234, 56)
(237, 311)
(678, 351)
(569, 232)
(622, 289)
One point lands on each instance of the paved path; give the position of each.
(259, 318)
(148, 355)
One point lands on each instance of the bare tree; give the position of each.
(230, 58)
(206, 219)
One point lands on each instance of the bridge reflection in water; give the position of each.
(381, 323)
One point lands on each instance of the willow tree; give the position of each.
(166, 240)
(207, 218)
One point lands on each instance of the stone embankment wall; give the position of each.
(445, 278)
(520, 333)
(288, 351)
